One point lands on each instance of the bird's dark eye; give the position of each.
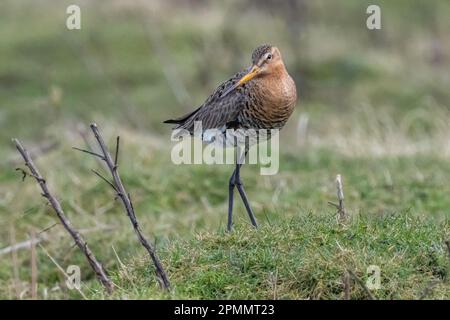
(269, 56)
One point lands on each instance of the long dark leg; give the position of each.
(231, 186)
(235, 181)
(240, 187)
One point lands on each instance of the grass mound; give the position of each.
(303, 258)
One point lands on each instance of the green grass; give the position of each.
(300, 241)
(302, 258)
(377, 108)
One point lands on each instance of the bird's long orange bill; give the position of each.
(249, 76)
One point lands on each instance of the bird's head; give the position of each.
(266, 60)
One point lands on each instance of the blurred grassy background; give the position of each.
(374, 106)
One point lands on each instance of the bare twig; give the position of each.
(362, 284)
(104, 179)
(84, 133)
(340, 195)
(89, 152)
(96, 266)
(25, 174)
(116, 158)
(48, 228)
(36, 151)
(128, 205)
(22, 245)
(41, 236)
(61, 269)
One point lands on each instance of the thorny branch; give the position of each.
(89, 152)
(81, 243)
(124, 196)
(104, 179)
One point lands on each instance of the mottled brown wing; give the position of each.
(216, 111)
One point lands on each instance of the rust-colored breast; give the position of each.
(272, 100)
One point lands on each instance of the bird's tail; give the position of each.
(174, 121)
(182, 119)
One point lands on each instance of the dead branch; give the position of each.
(41, 236)
(340, 195)
(22, 245)
(362, 284)
(124, 196)
(89, 152)
(36, 151)
(98, 174)
(96, 266)
(48, 228)
(84, 133)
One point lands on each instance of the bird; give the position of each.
(261, 97)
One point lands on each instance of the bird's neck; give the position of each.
(278, 85)
(277, 93)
